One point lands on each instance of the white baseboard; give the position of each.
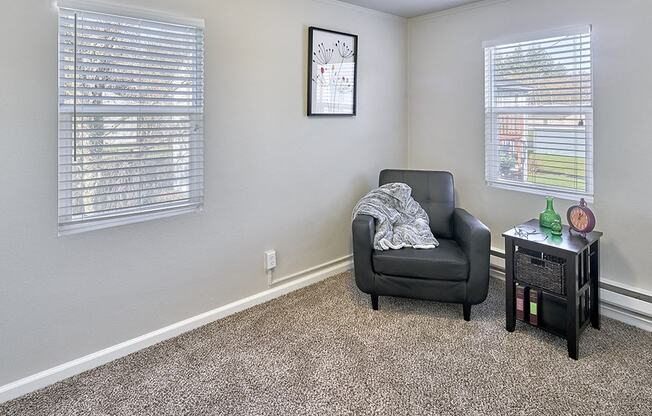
(496, 273)
(622, 308)
(626, 309)
(52, 375)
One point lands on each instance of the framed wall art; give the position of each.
(332, 72)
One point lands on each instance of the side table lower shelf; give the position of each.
(552, 313)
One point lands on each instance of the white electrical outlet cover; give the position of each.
(270, 259)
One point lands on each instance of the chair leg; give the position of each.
(374, 302)
(467, 311)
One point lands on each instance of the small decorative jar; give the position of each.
(557, 228)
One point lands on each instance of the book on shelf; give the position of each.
(535, 303)
(521, 302)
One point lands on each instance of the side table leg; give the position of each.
(510, 299)
(594, 261)
(572, 329)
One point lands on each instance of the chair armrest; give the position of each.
(475, 240)
(364, 229)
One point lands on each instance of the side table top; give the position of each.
(531, 231)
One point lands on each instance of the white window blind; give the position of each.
(130, 119)
(539, 114)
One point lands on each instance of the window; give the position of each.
(539, 114)
(130, 119)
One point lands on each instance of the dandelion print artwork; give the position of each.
(332, 70)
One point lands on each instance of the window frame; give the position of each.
(137, 213)
(493, 112)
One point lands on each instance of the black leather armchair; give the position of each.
(457, 271)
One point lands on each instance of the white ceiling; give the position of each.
(410, 8)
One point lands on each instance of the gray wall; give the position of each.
(446, 116)
(274, 178)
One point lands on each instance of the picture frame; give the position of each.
(332, 72)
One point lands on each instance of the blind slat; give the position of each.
(116, 180)
(85, 50)
(126, 74)
(544, 43)
(120, 68)
(178, 128)
(113, 162)
(87, 155)
(90, 83)
(556, 73)
(90, 207)
(583, 46)
(109, 39)
(67, 14)
(524, 62)
(135, 170)
(69, 59)
(81, 138)
(557, 78)
(131, 101)
(111, 109)
(114, 190)
(99, 31)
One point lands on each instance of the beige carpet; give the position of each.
(323, 351)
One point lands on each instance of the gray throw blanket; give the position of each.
(400, 220)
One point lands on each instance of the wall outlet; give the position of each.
(270, 259)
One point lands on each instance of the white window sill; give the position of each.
(73, 228)
(570, 196)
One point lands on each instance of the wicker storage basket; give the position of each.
(540, 270)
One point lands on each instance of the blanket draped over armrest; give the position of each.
(400, 220)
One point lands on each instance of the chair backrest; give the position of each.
(435, 192)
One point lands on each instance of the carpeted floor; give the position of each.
(323, 351)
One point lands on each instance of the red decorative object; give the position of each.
(580, 218)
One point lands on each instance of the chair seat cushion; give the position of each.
(446, 262)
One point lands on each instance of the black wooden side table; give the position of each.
(582, 298)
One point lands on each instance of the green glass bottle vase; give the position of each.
(548, 217)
